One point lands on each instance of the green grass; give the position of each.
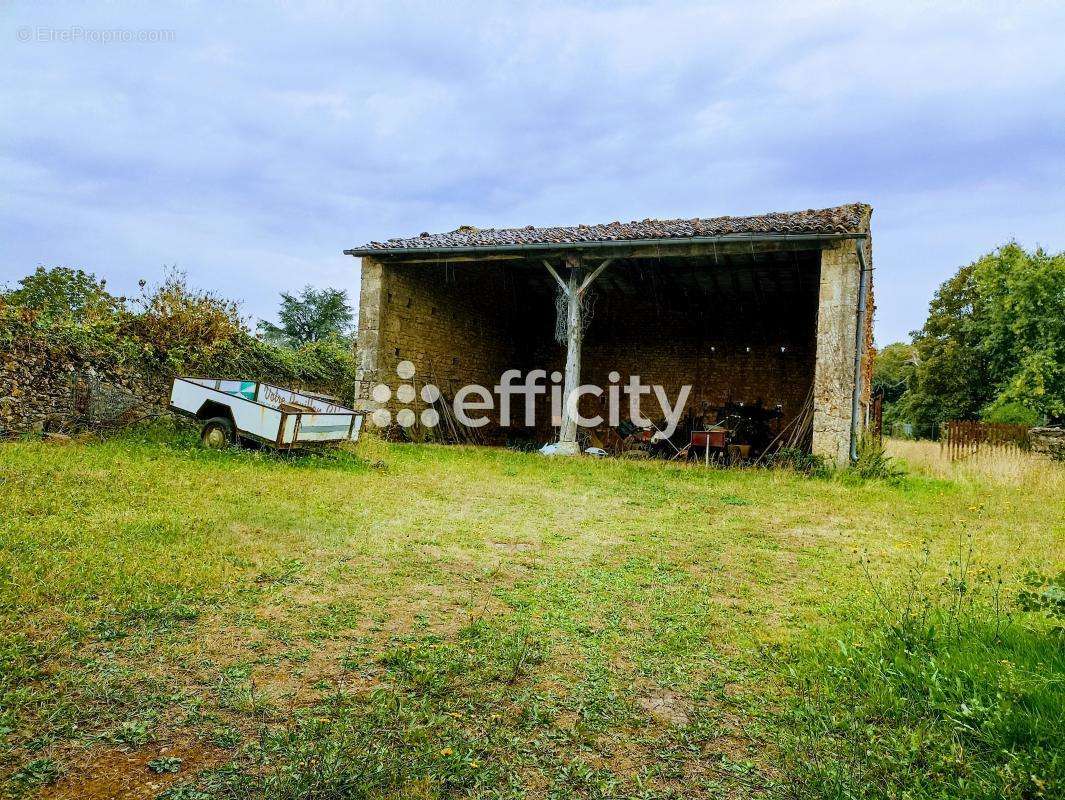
(424, 621)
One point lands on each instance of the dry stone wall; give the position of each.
(1049, 441)
(54, 388)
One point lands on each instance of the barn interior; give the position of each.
(738, 326)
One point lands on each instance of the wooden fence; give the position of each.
(962, 438)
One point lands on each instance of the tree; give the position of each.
(892, 371)
(313, 316)
(64, 293)
(994, 338)
(952, 378)
(1023, 327)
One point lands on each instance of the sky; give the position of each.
(250, 143)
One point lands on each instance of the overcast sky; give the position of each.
(250, 143)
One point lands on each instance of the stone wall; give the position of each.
(836, 340)
(714, 346)
(1048, 441)
(46, 389)
(66, 375)
(457, 325)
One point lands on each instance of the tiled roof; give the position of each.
(841, 219)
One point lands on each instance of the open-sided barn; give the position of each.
(773, 311)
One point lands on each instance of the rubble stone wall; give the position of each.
(458, 326)
(834, 376)
(1049, 441)
(45, 387)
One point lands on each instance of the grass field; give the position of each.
(423, 622)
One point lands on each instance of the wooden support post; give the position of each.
(577, 281)
(567, 434)
(595, 274)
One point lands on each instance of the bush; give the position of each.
(65, 319)
(182, 327)
(1012, 414)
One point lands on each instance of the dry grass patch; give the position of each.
(990, 465)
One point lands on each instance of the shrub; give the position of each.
(873, 461)
(1013, 414)
(62, 319)
(179, 326)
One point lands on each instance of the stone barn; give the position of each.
(773, 311)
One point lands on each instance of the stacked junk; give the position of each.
(735, 433)
(732, 434)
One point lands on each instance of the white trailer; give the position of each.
(235, 411)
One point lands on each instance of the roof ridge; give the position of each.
(845, 219)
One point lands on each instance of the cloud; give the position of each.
(260, 141)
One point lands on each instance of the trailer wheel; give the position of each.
(217, 433)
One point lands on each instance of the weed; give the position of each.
(183, 792)
(873, 462)
(399, 742)
(134, 732)
(1043, 593)
(225, 737)
(36, 773)
(945, 695)
(733, 500)
(165, 764)
(284, 573)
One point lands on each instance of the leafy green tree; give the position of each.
(1023, 327)
(313, 316)
(952, 378)
(892, 371)
(994, 337)
(63, 293)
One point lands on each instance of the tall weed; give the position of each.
(952, 691)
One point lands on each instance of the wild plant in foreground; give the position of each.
(948, 690)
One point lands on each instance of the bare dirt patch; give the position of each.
(119, 774)
(666, 707)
